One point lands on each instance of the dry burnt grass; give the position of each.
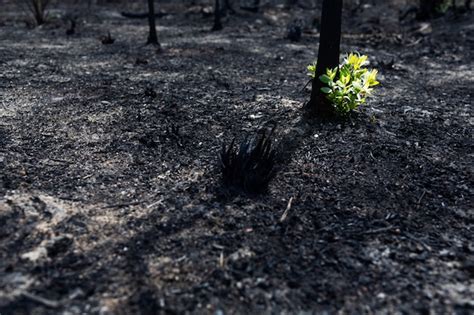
(111, 199)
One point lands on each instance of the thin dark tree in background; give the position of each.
(328, 54)
(152, 36)
(227, 8)
(217, 16)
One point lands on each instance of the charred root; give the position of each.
(250, 166)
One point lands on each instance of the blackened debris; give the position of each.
(250, 166)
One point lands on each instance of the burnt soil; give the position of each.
(111, 200)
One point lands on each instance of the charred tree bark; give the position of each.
(328, 54)
(217, 16)
(152, 36)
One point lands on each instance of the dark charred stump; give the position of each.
(107, 40)
(72, 28)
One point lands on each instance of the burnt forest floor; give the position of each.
(111, 201)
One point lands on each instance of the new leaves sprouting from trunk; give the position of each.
(249, 166)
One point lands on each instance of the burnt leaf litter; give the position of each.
(111, 186)
(250, 166)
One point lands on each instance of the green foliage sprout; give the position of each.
(444, 6)
(349, 84)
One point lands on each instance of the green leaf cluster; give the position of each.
(348, 85)
(443, 6)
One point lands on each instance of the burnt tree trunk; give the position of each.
(152, 36)
(328, 54)
(217, 16)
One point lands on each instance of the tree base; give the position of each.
(320, 107)
(153, 42)
(217, 27)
